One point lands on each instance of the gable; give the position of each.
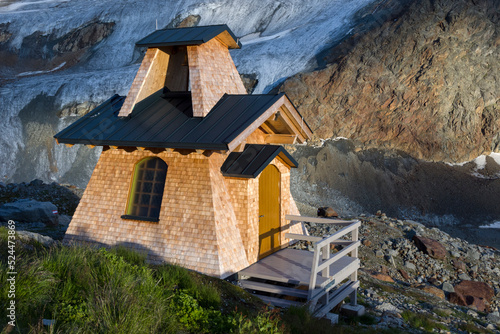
(254, 158)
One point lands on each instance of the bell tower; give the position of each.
(194, 59)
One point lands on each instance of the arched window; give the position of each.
(147, 190)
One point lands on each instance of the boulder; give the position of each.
(447, 287)
(430, 247)
(27, 236)
(432, 290)
(475, 289)
(457, 298)
(472, 294)
(327, 212)
(27, 211)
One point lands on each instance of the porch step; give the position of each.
(279, 302)
(337, 296)
(273, 288)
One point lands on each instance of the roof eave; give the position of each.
(191, 146)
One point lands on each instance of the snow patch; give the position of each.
(251, 39)
(480, 162)
(24, 74)
(14, 7)
(493, 225)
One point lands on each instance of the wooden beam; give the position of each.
(321, 220)
(300, 123)
(289, 122)
(240, 147)
(255, 125)
(302, 237)
(280, 139)
(266, 128)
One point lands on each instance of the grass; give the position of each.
(95, 290)
(426, 322)
(471, 328)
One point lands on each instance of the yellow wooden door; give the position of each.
(269, 211)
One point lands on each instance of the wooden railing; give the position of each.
(323, 260)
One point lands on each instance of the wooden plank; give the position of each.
(320, 220)
(337, 297)
(302, 237)
(287, 266)
(273, 288)
(338, 235)
(280, 139)
(279, 302)
(346, 271)
(287, 118)
(288, 107)
(338, 255)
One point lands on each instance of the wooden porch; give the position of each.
(319, 278)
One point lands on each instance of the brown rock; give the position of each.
(430, 247)
(457, 298)
(381, 277)
(459, 265)
(367, 243)
(327, 212)
(404, 274)
(432, 290)
(475, 289)
(476, 302)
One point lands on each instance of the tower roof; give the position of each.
(191, 36)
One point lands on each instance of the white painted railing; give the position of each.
(323, 260)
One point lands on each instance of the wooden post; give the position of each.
(354, 275)
(326, 255)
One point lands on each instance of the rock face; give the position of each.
(42, 51)
(430, 247)
(425, 83)
(30, 211)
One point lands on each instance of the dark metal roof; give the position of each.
(165, 120)
(254, 158)
(186, 36)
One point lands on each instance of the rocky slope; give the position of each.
(425, 82)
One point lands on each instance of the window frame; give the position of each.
(141, 166)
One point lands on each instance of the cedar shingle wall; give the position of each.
(245, 198)
(148, 79)
(211, 74)
(197, 227)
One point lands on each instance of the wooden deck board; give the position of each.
(292, 266)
